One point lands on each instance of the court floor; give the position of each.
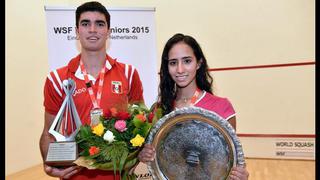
(259, 169)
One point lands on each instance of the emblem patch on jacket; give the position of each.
(116, 87)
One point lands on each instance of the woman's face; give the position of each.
(182, 65)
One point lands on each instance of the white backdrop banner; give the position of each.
(132, 41)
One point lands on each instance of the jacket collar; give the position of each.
(74, 67)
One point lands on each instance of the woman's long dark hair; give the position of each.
(167, 93)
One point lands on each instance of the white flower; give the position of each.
(135, 106)
(108, 136)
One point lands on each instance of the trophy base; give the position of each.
(62, 153)
(60, 163)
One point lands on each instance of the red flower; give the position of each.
(150, 117)
(123, 115)
(141, 117)
(93, 150)
(107, 114)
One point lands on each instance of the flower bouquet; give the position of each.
(114, 143)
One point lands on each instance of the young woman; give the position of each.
(185, 81)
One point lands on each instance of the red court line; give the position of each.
(278, 135)
(263, 66)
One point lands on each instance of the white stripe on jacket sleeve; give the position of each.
(57, 77)
(54, 85)
(130, 80)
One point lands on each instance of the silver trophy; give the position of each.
(64, 151)
(194, 143)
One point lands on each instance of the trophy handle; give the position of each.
(59, 137)
(67, 106)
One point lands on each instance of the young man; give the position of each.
(101, 83)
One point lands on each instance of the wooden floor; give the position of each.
(259, 169)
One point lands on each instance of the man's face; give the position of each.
(93, 31)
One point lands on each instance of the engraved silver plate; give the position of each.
(194, 143)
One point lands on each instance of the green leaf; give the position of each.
(159, 113)
(85, 131)
(145, 129)
(114, 161)
(84, 153)
(137, 122)
(123, 160)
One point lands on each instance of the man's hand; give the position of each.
(64, 173)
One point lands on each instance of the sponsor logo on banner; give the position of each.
(295, 148)
(116, 87)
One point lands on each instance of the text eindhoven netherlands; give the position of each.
(116, 32)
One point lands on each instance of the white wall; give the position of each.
(231, 33)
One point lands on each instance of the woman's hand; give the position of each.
(147, 154)
(239, 173)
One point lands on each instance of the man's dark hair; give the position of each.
(92, 6)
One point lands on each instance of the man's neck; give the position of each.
(93, 62)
